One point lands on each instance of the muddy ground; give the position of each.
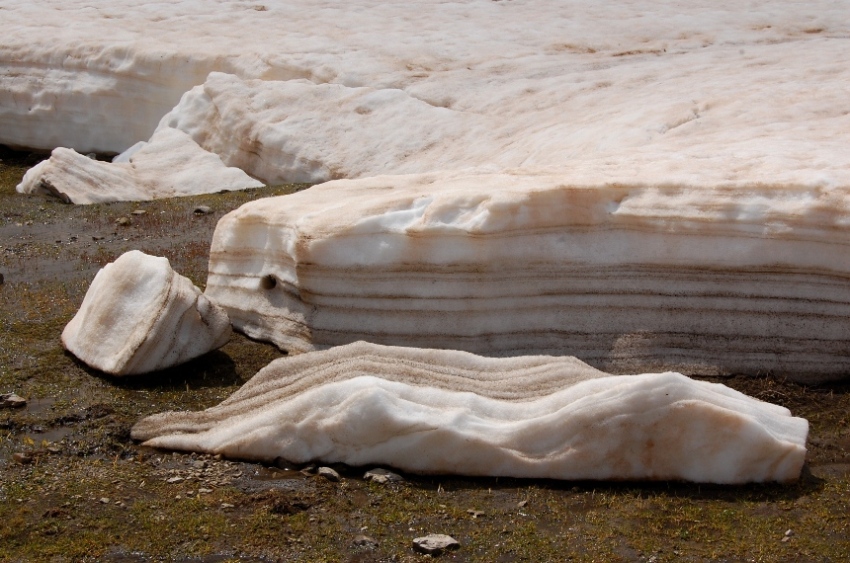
(75, 487)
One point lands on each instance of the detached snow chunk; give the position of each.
(445, 411)
(170, 165)
(139, 315)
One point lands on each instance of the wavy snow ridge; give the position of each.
(440, 411)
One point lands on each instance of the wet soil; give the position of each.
(75, 487)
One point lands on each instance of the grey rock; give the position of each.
(382, 476)
(12, 401)
(435, 544)
(329, 474)
(123, 222)
(203, 210)
(365, 541)
(138, 212)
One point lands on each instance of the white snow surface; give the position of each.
(171, 165)
(139, 316)
(442, 411)
(699, 92)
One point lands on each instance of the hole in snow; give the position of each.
(268, 282)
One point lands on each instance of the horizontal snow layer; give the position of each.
(139, 315)
(437, 411)
(743, 279)
(170, 165)
(700, 93)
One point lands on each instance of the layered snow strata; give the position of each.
(140, 316)
(738, 279)
(439, 411)
(170, 165)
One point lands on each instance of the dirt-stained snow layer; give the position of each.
(744, 279)
(139, 315)
(439, 411)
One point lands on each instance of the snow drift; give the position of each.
(438, 411)
(171, 165)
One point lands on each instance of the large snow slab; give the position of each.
(170, 165)
(743, 279)
(139, 315)
(436, 411)
(698, 92)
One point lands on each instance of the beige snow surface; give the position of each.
(171, 165)
(697, 92)
(139, 315)
(441, 411)
(740, 279)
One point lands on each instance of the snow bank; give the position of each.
(433, 411)
(697, 93)
(170, 165)
(740, 279)
(140, 316)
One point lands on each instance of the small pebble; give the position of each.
(435, 544)
(123, 222)
(365, 541)
(203, 210)
(329, 474)
(12, 401)
(382, 476)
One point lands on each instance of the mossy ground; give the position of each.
(86, 492)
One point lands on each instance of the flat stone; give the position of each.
(435, 544)
(382, 476)
(365, 541)
(329, 474)
(12, 401)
